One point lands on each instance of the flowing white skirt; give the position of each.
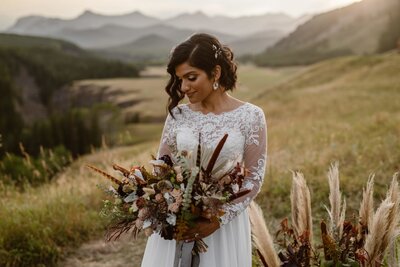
(229, 246)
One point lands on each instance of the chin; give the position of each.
(193, 101)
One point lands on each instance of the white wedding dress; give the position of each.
(230, 245)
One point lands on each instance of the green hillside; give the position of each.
(365, 27)
(14, 40)
(346, 109)
(31, 70)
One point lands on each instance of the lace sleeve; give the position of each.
(255, 155)
(168, 138)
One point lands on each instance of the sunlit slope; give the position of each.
(346, 109)
(144, 99)
(356, 29)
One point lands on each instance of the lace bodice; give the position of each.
(247, 142)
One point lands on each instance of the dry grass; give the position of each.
(367, 204)
(301, 206)
(351, 116)
(343, 110)
(261, 237)
(38, 224)
(337, 209)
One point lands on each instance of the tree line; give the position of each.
(77, 130)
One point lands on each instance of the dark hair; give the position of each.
(202, 51)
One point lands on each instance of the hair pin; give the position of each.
(218, 51)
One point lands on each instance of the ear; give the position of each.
(217, 72)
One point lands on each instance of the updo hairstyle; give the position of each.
(202, 51)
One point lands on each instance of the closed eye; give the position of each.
(192, 79)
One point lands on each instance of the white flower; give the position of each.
(158, 162)
(171, 219)
(131, 197)
(235, 188)
(146, 223)
(168, 198)
(139, 174)
(112, 189)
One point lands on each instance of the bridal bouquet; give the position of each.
(178, 191)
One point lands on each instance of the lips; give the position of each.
(190, 94)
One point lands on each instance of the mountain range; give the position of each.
(269, 39)
(250, 34)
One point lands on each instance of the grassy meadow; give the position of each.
(346, 110)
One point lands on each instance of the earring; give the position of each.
(215, 85)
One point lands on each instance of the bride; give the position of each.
(204, 70)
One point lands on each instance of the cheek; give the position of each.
(202, 85)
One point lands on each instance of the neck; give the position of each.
(215, 102)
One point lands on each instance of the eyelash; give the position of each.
(192, 79)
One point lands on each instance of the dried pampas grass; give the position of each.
(385, 225)
(301, 206)
(262, 239)
(367, 206)
(367, 243)
(375, 242)
(337, 208)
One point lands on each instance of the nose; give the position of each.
(184, 86)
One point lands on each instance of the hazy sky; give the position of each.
(12, 9)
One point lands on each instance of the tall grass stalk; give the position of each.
(301, 206)
(261, 237)
(337, 207)
(367, 206)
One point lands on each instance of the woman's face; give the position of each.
(194, 82)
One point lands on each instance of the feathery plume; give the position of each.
(108, 176)
(336, 212)
(394, 195)
(393, 258)
(379, 236)
(367, 207)
(262, 239)
(301, 206)
(393, 220)
(215, 155)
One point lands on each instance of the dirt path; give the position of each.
(123, 253)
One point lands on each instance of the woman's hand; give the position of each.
(202, 228)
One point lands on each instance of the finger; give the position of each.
(188, 238)
(194, 236)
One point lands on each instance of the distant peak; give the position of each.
(89, 12)
(200, 13)
(136, 12)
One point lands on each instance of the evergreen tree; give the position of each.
(11, 123)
